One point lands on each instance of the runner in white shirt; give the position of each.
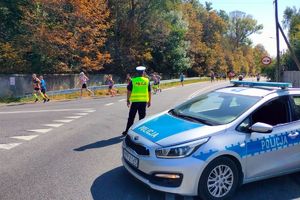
(83, 81)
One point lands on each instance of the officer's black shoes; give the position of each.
(124, 133)
(45, 100)
(36, 100)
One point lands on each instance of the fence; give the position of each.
(292, 77)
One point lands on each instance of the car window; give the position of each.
(296, 107)
(216, 107)
(274, 112)
(245, 125)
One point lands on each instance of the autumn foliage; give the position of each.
(170, 36)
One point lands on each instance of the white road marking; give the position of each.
(53, 125)
(40, 130)
(81, 114)
(63, 120)
(73, 117)
(122, 100)
(109, 104)
(25, 137)
(171, 88)
(90, 111)
(41, 111)
(9, 146)
(169, 196)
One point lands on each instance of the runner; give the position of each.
(240, 77)
(44, 88)
(110, 82)
(155, 83)
(181, 78)
(83, 81)
(36, 83)
(128, 79)
(212, 76)
(257, 77)
(158, 81)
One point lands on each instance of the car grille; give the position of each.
(139, 149)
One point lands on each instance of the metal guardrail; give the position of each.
(103, 87)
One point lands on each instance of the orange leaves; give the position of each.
(71, 32)
(147, 56)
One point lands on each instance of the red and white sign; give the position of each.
(266, 60)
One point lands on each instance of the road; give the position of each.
(71, 150)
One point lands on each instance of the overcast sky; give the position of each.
(264, 12)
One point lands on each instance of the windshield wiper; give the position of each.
(191, 118)
(195, 119)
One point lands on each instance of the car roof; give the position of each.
(259, 89)
(248, 91)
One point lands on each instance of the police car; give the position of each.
(213, 143)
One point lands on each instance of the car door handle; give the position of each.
(293, 135)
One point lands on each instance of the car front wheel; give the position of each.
(219, 179)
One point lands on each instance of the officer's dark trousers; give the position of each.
(139, 107)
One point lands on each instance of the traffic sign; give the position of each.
(266, 60)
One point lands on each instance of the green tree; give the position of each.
(292, 22)
(241, 26)
(12, 50)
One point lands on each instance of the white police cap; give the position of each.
(140, 68)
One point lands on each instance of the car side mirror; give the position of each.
(261, 128)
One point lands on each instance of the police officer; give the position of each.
(138, 96)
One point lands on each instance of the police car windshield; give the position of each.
(215, 108)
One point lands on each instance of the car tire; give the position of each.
(219, 180)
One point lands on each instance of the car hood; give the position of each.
(165, 129)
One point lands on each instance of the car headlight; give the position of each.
(181, 150)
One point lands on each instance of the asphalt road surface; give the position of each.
(72, 150)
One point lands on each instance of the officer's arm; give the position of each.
(149, 93)
(128, 95)
(129, 89)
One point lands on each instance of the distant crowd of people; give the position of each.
(230, 75)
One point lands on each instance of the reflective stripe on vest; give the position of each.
(139, 91)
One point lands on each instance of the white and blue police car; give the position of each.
(213, 143)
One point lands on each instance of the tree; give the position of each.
(241, 26)
(139, 34)
(197, 48)
(292, 22)
(12, 52)
(67, 35)
(175, 53)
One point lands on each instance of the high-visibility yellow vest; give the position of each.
(139, 91)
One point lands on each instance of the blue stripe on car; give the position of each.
(164, 126)
(257, 147)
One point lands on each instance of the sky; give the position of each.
(264, 12)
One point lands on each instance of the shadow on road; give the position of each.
(279, 188)
(118, 184)
(100, 144)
